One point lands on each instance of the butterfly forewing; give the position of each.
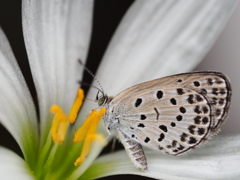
(175, 113)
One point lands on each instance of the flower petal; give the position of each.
(17, 111)
(159, 38)
(219, 159)
(56, 35)
(13, 167)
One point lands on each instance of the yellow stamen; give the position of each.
(59, 125)
(76, 106)
(83, 130)
(60, 121)
(88, 130)
(62, 130)
(87, 146)
(90, 125)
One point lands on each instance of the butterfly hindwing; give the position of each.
(216, 88)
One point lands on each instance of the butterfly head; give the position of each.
(101, 99)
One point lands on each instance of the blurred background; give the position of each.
(224, 55)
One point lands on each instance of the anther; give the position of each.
(76, 106)
(88, 131)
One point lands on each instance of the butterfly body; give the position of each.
(173, 114)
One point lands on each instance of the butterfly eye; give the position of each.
(102, 100)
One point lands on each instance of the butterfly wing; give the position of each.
(175, 113)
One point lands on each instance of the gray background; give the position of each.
(225, 57)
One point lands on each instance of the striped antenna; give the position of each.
(94, 77)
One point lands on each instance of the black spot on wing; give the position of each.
(197, 109)
(201, 131)
(141, 125)
(143, 117)
(192, 140)
(191, 129)
(174, 143)
(183, 137)
(180, 91)
(182, 110)
(222, 91)
(199, 98)
(209, 81)
(173, 124)
(162, 136)
(159, 94)
(175, 150)
(213, 101)
(205, 120)
(173, 101)
(196, 83)
(205, 109)
(221, 102)
(180, 147)
(147, 140)
(179, 117)
(138, 102)
(215, 91)
(163, 127)
(190, 99)
(197, 119)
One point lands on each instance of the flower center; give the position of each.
(87, 132)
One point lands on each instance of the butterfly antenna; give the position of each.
(90, 85)
(94, 77)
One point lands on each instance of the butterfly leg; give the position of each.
(134, 151)
(113, 144)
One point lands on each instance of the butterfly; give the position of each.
(173, 114)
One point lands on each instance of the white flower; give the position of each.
(154, 39)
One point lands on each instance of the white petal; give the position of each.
(17, 111)
(158, 38)
(56, 35)
(13, 167)
(219, 159)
